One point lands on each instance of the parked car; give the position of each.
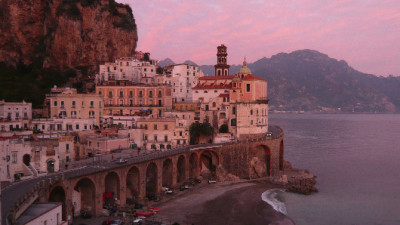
(117, 222)
(212, 181)
(120, 160)
(107, 222)
(137, 222)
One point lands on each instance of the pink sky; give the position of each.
(365, 33)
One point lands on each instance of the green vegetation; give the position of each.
(30, 83)
(125, 21)
(224, 128)
(197, 129)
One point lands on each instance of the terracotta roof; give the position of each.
(251, 77)
(216, 78)
(208, 86)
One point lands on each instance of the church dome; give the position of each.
(244, 69)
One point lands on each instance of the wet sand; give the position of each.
(238, 203)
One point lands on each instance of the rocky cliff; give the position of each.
(65, 34)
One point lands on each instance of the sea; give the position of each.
(356, 159)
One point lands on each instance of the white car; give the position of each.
(212, 181)
(121, 160)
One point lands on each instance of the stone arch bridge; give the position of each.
(144, 175)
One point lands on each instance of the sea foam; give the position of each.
(271, 197)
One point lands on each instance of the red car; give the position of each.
(107, 222)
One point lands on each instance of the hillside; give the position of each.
(308, 80)
(51, 42)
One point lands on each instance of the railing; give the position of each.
(15, 194)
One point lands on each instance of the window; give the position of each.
(151, 94)
(55, 103)
(77, 126)
(131, 93)
(165, 126)
(233, 110)
(155, 127)
(121, 94)
(165, 138)
(251, 112)
(110, 94)
(155, 138)
(145, 137)
(248, 87)
(73, 114)
(67, 147)
(251, 122)
(207, 108)
(121, 102)
(91, 104)
(131, 102)
(62, 103)
(14, 157)
(140, 93)
(180, 133)
(91, 114)
(145, 126)
(73, 104)
(178, 142)
(233, 122)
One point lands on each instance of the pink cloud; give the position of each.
(359, 31)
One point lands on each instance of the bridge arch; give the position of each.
(209, 160)
(151, 180)
(111, 188)
(167, 173)
(58, 193)
(85, 190)
(281, 156)
(260, 161)
(193, 165)
(133, 185)
(181, 169)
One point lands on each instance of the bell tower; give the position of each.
(221, 68)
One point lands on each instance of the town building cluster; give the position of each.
(136, 106)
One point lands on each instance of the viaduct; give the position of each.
(144, 175)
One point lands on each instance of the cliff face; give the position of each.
(64, 34)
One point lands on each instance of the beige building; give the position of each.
(127, 98)
(69, 104)
(24, 159)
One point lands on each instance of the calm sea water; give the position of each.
(356, 159)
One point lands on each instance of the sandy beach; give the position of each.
(222, 203)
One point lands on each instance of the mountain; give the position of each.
(165, 62)
(307, 80)
(189, 62)
(65, 34)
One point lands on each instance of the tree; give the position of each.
(197, 129)
(223, 128)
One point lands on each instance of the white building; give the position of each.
(15, 111)
(182, 78)
(59, 125)
(127, 68)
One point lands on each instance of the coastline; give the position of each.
(222, 203)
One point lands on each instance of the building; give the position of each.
(62, 125)
(23, 159)
(106, 144)
(42, 213)
(68, 104)
(127, 98)
(239, 101)
(15, 115)
(182, 78)
(128, 68)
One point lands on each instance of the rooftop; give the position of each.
(36, 210)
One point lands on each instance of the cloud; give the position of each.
(359, 31)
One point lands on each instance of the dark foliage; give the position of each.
(124, 21)
(29, 83)
(197, 129)
(224, 128)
